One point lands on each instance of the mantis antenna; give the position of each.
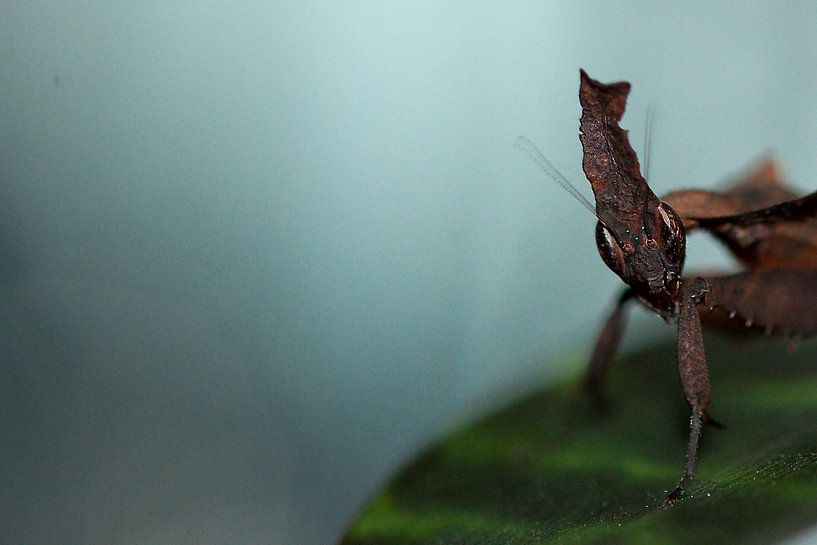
(648, 129)
(527, 147)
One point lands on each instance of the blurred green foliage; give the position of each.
(550, 470)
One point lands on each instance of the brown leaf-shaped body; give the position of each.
(638, 237)
(767, 226)
(609, 162)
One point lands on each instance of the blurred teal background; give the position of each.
(256, 254)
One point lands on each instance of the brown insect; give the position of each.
(769, 228)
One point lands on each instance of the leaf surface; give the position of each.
(549, 470)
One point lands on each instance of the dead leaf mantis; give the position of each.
(770, 229)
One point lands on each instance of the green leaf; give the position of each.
(550, 470)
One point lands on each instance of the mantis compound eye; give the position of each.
(611, 253)
(673, 237)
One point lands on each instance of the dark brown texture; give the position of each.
(609, 163)
(767, 226)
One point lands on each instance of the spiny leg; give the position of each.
(694, 376)
(605, 350)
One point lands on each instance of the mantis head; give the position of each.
(639, 237)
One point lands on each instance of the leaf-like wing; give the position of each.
(778, 300)
(796, 209)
